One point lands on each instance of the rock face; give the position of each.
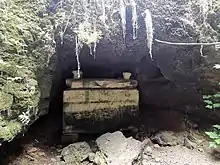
(26, 67)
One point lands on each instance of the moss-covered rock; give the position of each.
(6, 101)
(26, 48)
(19, 93)
(9, 129)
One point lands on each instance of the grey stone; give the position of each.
(118, 149)
(189, 144)
(156, 146)
(166, 138)
(148, 150)
(147, 142)
(99, 159)
(200, 150)
(85, 163)
(146, 157)
(76, 153)
(53, 160)
(145, 162)
(92, 157)
(157, 159)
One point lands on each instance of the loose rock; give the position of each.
(148, 150)
(118, 149)
(189, 144)
(157, 159)
(156, 146)
(165, 138)
(76, 153)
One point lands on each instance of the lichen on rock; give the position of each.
(6, 101)
(9, 129)
(26, 47)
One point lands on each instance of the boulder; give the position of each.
(76, 153)
(110, 149)
(115, 149)
(118, 149)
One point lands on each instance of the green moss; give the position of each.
(17, 89)
(8, 70)
(2, 82)
(100, 120)
(9, 130)
(26, 45)
(6, 101)
(24, 103)
(11, 69)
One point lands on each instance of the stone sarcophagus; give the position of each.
(99, 105)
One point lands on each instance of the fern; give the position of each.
(213, 102)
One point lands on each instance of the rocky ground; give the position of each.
(163, 148)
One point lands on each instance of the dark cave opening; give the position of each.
(66, 63)
(106, 64)
(48, 129)
(96, 68)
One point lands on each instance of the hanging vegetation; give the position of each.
(94, 20)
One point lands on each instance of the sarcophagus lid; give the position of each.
(101, 83)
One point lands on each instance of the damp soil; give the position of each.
(40, 145)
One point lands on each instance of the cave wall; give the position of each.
(26, 65)
(177, 76)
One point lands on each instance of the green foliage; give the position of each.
(213, 102)
(215, 136)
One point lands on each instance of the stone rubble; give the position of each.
(116, 149)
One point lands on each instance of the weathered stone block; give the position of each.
(114, 83)
(103, 96)
(97, 110)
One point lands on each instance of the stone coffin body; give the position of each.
(95, 106)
